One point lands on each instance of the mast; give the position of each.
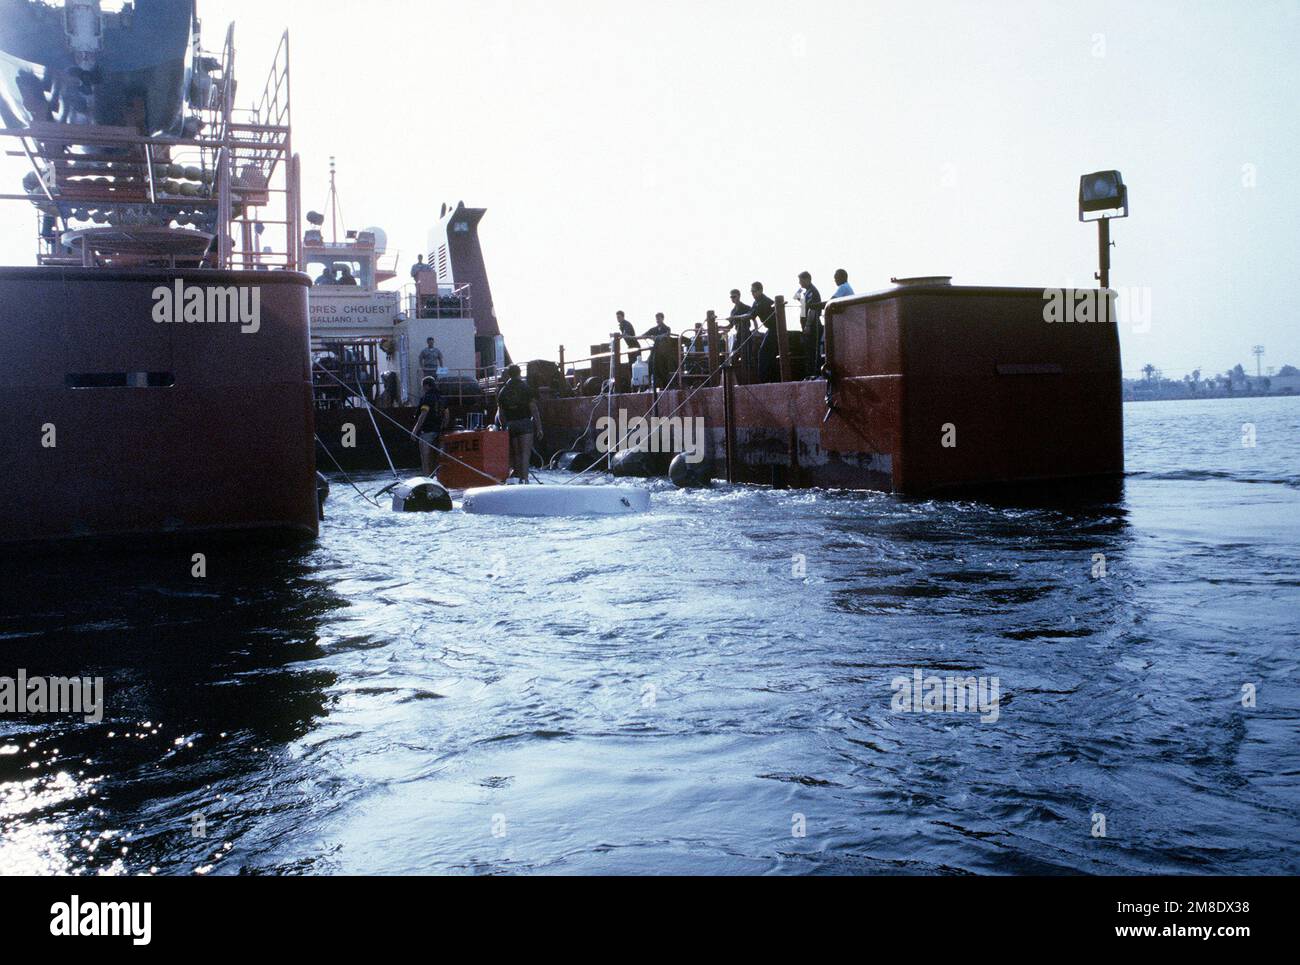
(334, 206)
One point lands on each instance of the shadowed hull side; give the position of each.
(221, 443)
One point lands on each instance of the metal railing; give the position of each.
(691, 363)
(452, 301)
(688, 364)
(85, 179)
(356, 362)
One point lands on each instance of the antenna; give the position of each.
(334, 205)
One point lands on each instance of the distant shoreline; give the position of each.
(1215, 398)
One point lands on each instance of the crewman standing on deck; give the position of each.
(429, 425)
(629, 336)
(742, 346)
(430, 358)
(764, 313)
(659, 329)
(518, 414)
(663, 361)
(419, 267)
(843, 289)
(390, 395)
(810, 320)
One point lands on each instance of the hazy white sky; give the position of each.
(650, 156)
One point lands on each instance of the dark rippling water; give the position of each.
(455, 693)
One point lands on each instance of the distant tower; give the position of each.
(1258, 352)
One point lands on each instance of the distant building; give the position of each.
(1284, 384)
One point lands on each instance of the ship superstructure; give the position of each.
(159, 378)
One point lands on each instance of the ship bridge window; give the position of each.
(120, 380)
(352, 270)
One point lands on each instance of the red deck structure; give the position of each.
(934, 388)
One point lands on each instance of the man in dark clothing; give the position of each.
(810, 320)
(629, 336)
(659, 329)
(663, 360)
(390, 396)
(764, 313)
(419, 267)
(518, 414)
(742, 345)
(429, 424)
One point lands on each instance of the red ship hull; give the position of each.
(936, 389)
(119, 425)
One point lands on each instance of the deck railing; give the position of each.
(215, 185)
(691, 366)
(451, 301)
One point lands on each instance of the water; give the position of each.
(449, 693)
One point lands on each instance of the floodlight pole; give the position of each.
(1103, 251)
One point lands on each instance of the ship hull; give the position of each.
(350, 443)
(119, 425)
(935, 390)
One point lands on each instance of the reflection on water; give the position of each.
(706, 688)
(206, 683)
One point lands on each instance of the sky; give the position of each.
(650, 156)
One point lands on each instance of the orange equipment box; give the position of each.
(487, 450)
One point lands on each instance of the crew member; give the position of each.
(430, 422)
(517, 413)
(843, 288)
(430, 359)
(420, 266)
(763, 312)
(659, 329)
(390, 396)
(810, 315)
(629, 336)
(742, 346)
(663, 360)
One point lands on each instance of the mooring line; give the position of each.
(703, 385)
(436, 449)
(321, 442)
